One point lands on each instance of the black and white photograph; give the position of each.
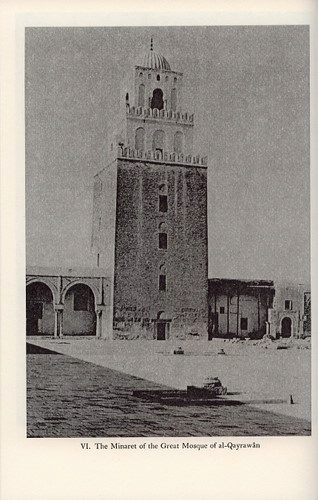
(167, 185)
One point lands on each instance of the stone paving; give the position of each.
(67, 397)
(256, 372)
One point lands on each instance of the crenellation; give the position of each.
(162, 114)
(150, 155)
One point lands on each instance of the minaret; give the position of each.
(150, 211)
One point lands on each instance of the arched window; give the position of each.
(178, 142)
(174, 99)
(157, 99)
(158, 140)
(140, 139)
(163, 226)
(141, 95)
(158, 78)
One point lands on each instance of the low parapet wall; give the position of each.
(162, 114)
(164, 156)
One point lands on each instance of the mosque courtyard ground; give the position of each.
(83, 387)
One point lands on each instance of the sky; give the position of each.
(248, 87)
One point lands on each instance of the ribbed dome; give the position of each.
(152, 60)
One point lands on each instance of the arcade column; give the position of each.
(100, 321)
(58, 320)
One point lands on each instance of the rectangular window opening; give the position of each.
(163, 203)
(222, 310)
(162, 282)
(244, 323)
(288, 305)
(163, 241)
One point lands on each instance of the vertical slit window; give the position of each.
(163, 203)
(162, 282)
(163, 241)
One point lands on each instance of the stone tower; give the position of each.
(150, 211)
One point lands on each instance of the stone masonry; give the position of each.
(150, 211)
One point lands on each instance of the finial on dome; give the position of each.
(152, 60)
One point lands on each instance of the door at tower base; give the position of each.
(181, 325)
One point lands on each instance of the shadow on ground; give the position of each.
(67, 397)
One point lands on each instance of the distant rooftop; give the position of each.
(238, 282)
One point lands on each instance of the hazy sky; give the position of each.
(249, 89)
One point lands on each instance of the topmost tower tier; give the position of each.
(156, 85)
(151, 117)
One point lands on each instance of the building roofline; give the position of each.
(79, 272)
(230, 281)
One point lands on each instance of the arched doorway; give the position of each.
(286, 327)
(162, 326)
(157, 99)
(79, 316)
(39, 309)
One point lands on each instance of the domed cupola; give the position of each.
(152, 60)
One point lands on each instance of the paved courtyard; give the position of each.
(68, 397)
